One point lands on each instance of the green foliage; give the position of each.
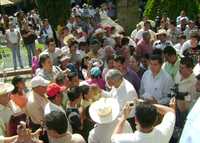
(57, 11)
(171, 8)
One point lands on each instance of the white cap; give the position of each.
(39, 81)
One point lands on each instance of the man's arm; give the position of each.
(120, 125)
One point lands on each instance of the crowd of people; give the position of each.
(93, 83)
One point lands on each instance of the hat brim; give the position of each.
(7, 88)
(105, 119)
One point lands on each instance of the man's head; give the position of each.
(146, 36)
(156, 62)
(73, 79)
(147, 25)
(55, 93)
(170, 54)
(56, 123)
(45, 23)
(186, 67)
(145, 115)
(119, 62)
(162, 35)
(51, 45)
(39, 85)
(62, 79)
(74, 95)
(114, 78)
(45, 62)
(194, 39)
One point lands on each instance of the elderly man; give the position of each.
(5, 110)
(186, 81)
(191, 128)
(121, 89)
(156, 83)
(37, 100)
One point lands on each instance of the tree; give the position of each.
(171, 7)
(57, 11)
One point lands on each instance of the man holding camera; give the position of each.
(145, 117)
(185, 81)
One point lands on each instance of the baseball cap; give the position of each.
(95, 71)
(39, 81)
(54, 89)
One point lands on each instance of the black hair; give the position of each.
(156, 57)
(60, 78)
(15, 81)
(124, 41)
(56, 121)
(169, 50)
(182, 37)
(157, 52)
(146, 115)
(198, 77)
(42, 59)
(74, 93)
(187, 61)
(49, 40)
(84, 90)
(172, 22)
(120, 59)
(71, 75)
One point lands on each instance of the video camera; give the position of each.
(175, 93)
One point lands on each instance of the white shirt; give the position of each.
(178, 49)
(191, 129)
(1, 139)
(139, 34)
(158, 86)
(126, 92)
(12, 36)
(160, 134)
(196, 69)
(161, 45)
(35, 107)
(102, 133)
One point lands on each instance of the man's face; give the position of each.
(155, 66)
(41, 90)
(185, 71)
(51, 47)
(194, 42)
(48, 65)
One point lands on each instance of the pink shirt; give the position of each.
(144, 48)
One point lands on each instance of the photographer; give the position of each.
(145, 117)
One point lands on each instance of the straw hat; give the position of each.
(104, 111)
(162, 32)
(69, 38)
(5, 88)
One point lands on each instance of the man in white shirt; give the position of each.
(53, 52)
(37, 100)
(5, 110)
(156, 83)
(145, 116)
(191, 129)
(121, 89)
(13, 42)
(146, 27)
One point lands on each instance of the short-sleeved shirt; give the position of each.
(160, 134)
